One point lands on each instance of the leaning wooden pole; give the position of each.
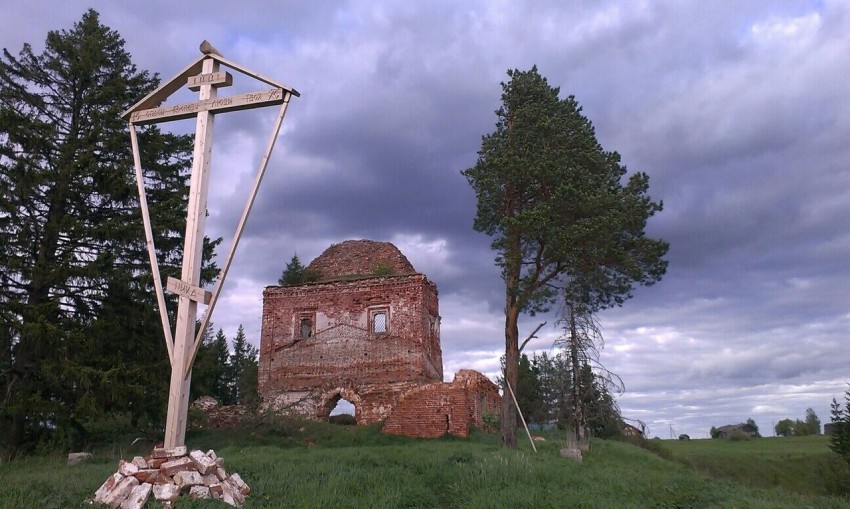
(519, 411)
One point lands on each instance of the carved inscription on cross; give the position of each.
(233, 103)
(194, 293)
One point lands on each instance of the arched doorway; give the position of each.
(340, 406)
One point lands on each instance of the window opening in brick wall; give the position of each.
(306, 328)
(380, 321)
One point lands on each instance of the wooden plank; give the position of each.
(208, 49)
(216, 79)
(162, 93)
(183, 288)
(248, 72)
(213, 105)
(146, 220)
(187, 309)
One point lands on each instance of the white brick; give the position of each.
(203, 463)
(166, 492)
(138, 497)
(197, 492)
(178, 465)
(107, 487)
(78, 457)
(161, 452)
(239, 484)
(230, 495)
(127, 469)
(121, 492)
(185, 480)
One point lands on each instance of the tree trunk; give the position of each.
(509, 415)
(578, 407)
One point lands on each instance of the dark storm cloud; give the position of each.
(738, 112)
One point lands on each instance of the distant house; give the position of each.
(831, 428)
(631, 431)
(729, 429)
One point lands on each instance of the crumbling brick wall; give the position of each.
(367, 331)
(360, 258)
(451, 408)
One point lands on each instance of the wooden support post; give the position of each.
(146, 220)
(187, 310)
(519, 411)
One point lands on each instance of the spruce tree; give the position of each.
(81, 334)
(295, 273)
(244, 366)
(212, 368)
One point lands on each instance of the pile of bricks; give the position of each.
(166, 475)
(218, 416)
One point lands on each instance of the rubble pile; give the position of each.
(166, 475)
(219, 416)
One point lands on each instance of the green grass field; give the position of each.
(320, 465)
(800, 464)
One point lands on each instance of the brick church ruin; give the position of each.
(366, 330)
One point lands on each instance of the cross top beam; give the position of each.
(204, 76)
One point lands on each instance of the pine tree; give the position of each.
(528, 392)
(81, 335)
(553, 202)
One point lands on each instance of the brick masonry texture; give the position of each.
(360, 258)
(452, 408)
(368, 331)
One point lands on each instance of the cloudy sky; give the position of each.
(738, 111)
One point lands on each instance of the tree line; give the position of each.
(228, 376)
(545, 394)
(799, 428)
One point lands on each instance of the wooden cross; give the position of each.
(205, 77)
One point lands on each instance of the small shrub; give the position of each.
(492, 422)
(197, 418)
(383, 269)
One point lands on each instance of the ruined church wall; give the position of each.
(451, 408)
(342, 352)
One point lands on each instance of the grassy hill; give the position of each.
(800, 464)
(309, 465)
